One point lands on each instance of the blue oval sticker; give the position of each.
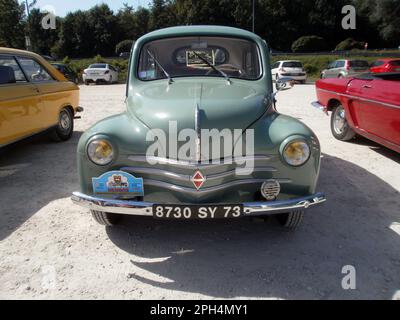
(118, 182)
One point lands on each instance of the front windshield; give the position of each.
(97, 66)
(292, 64)
(179, 57)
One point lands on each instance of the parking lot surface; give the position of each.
(51, 249)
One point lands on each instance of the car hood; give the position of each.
(220, 105)
(197, 105)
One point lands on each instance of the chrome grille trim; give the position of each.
(187, 178)
(198, 165)
(210, 190)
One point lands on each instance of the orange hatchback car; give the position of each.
(34, 97)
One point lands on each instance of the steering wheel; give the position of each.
(228, 66)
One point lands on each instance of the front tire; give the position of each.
(291, 220)
(105, 218)
(65, 126)
(339, 125)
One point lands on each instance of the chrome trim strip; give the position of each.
(206, 191)
(198, 165)
(389, 105)
(197, 126)
(319, 106)
(136, 208)
(185, 178)
(375, 138)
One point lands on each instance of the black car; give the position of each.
(67, 72)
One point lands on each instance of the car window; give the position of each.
(275, 65)
(332, 65)
(395, 63)
(34, 70)
(186, 56)
(292, 64)
(340, 64)
(358, 64)
(378, 64)
(10, 72)
(98, 66)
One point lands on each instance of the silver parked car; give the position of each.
(345, 68)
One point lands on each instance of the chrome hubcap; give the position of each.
(340, 122)
(65, 121)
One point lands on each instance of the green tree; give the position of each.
(12, 26)
(349, 44)
(384, 16)
(75, 37)
(142, 22)
(126, 21)
(124, 46)
(105, 29)
(161, 15)
(41, 40)
(309, 44)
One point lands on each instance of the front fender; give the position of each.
(127, 135)
(272, 133)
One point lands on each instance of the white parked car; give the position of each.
(100, 73)
(292, 69)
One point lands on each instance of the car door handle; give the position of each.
(367, 86)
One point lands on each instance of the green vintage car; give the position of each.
(201, 137)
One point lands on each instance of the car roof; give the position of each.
(99, 63)
(12, 51)
(200, 31)
(388, 59)
(37, 57)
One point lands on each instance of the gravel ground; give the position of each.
(51, 249)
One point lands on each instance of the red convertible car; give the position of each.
(367, 105)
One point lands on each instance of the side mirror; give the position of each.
(284, 84)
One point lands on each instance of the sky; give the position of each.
(62, 7)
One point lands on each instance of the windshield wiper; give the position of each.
(213, 67)
(170, 80)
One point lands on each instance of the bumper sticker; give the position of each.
(118, 182)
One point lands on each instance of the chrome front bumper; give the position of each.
(135, 208)
(319, 106)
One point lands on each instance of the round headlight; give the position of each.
(296, 153)
(100, 152)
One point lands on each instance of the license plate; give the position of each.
(198, 212)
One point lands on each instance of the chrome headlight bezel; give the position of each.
(90, 152)
(293, 162)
